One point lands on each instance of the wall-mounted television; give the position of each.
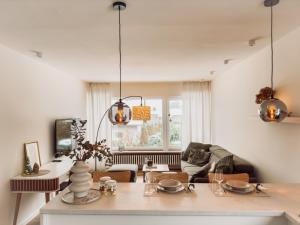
(64, 142)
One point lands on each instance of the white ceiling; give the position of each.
(163, 40)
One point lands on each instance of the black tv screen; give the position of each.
(64, 141)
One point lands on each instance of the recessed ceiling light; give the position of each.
(252, 42)
(36, 53)
(227, 61)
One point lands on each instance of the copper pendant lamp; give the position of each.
(272, 109)
(120, 113)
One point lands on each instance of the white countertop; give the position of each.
(284, 200)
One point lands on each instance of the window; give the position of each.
(174, 119)
(141, 134)
(163, 131)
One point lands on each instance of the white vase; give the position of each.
(81, 179)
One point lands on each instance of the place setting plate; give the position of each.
(170, 186)
(237, 186)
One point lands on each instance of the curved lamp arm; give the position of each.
(100, 124)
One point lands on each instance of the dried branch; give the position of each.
(84, 150)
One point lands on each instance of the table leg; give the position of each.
(47, 197)
(18, 202)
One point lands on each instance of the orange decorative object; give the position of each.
(141, 113)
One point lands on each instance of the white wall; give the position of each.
(32, 96)
(274, 149)
(151, 89)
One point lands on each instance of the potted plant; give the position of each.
(83, 151)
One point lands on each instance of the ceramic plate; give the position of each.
(237, 184)
(240, 191)
(170, 184)
(178, 189)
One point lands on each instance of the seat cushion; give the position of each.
(185, 164)
(121, 167)
(194, 145)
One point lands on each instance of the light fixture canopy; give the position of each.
(269, 3)
(119, 5)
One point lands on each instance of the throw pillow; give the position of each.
(194, 145)
(198, 157)
(225, 164)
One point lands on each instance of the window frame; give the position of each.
(171, 147)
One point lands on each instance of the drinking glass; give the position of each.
(219, 177)
(150, 184)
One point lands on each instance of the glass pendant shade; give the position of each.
(273, 110)
(141, 113)
(119, 113)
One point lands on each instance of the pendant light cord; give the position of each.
(272, 49)
(120, 53)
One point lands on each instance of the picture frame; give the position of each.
(32, 152)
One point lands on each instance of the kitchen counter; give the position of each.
(130, 206)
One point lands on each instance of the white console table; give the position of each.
(43, 184)
(130, 207)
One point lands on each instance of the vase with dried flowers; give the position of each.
(83, 151)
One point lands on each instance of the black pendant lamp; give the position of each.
(119, 113)
(272, 109)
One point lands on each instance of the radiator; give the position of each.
(172, 158)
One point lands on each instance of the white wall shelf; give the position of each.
(289, 119)
(292, 119)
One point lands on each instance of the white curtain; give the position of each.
(98, 101)
(196, 125)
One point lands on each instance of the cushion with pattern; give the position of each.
(198, 157)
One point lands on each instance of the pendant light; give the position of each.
(272, 109)
(120, 112)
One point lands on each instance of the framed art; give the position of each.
(32, 152)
